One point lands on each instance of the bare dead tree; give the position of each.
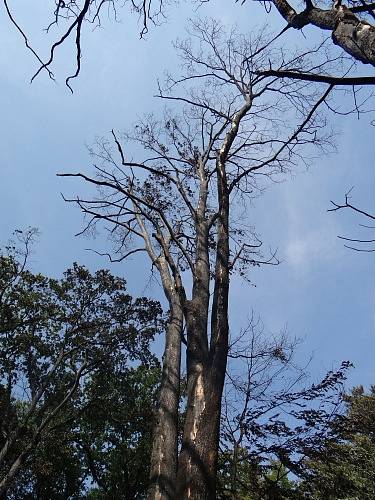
(183, 202)
(261, 373)
(357, 244)
(352, 30)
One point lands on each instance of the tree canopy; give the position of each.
(78, 381)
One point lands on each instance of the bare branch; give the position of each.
(330, 80)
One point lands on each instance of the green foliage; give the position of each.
(251, 482)
(237, 483)
(78, 386)
(344, 468)
(116, 434)
(78, 383)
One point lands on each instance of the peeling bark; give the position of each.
(198, 458)
(352, 34)
(195, 473)
(197, 463)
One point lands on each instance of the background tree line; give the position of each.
(281, 435)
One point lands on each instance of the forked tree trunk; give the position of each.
(198, 458)
(163, 466)
(206, 366)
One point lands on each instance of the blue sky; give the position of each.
(322, 291)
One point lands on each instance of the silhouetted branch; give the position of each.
(350, 206)
(311, 77)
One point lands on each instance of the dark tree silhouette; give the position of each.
(55, 335)
(74, 15)
(182, 202)
(357, 244)
(273, 415)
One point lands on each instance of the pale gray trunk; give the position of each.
(10, 476)
(163, 466)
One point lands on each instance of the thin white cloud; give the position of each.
(304, 251)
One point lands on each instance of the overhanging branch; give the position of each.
(330, 80)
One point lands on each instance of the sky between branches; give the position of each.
(322, 291)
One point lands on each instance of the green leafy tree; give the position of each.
(116, 435)
(77, 380)
(344, 468)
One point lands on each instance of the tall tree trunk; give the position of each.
(198, 458)
(163, 466)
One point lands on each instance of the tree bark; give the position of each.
(10, 476)
(206, 373)
(163, 466)
(198, 458)
(194, 470)
(351, 33)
